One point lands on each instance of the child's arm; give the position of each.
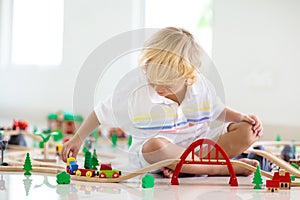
(229, 115)
(71, 148)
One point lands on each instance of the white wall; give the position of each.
(31, 93)
(256, 48)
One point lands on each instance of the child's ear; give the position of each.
(188, 82)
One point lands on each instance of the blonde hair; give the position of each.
(170, 55)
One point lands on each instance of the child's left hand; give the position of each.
(256, 123)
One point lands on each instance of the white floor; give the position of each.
(14, 185)
(41, 186)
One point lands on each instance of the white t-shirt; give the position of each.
(135, 107)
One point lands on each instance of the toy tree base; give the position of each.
(27, 173)
(3, 164)
(258, 187)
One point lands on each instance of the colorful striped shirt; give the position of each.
(135, 107)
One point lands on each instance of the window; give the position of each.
(194, 15)
(32, 32)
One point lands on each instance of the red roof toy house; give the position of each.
(118, 131)
(272, 186)
(284, 178)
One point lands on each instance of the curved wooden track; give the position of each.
(129, 175)
(276, 143)
(52, 169)
(35, 169)
(166, 163)
(250, 167)
(162, 164)
(37, 164)
(278, 161)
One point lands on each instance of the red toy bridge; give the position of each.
(207, 160)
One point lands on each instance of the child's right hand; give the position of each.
(71, 148)
(255, 122)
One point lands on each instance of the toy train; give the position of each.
(105, 170)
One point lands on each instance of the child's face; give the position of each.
(166, 90)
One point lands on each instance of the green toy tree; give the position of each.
(84, 150)
(294, 147)
(59, 136)
(257, 179)
(129, 142)
(148, 181)
(45, 139)
(88, 160)
(95, 135)
(114, 139)
(27, 165)
(63, 178)
(278, 139)
(95, 161)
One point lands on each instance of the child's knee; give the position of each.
(245, 127)
(154, 144)
(247, 133)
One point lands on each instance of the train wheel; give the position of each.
(115, 175)
(102, 175)
(89, 174)
(78, 173)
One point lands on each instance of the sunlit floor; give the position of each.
(14, 185)
(41, 186)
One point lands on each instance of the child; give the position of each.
(167, 105)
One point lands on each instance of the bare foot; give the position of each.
(223, 170)
(243, 171)
(168, 173)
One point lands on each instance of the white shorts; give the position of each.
(137, 160)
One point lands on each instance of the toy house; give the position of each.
(119, 132)
(64, 121)
(272, 186)
(284, 179)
